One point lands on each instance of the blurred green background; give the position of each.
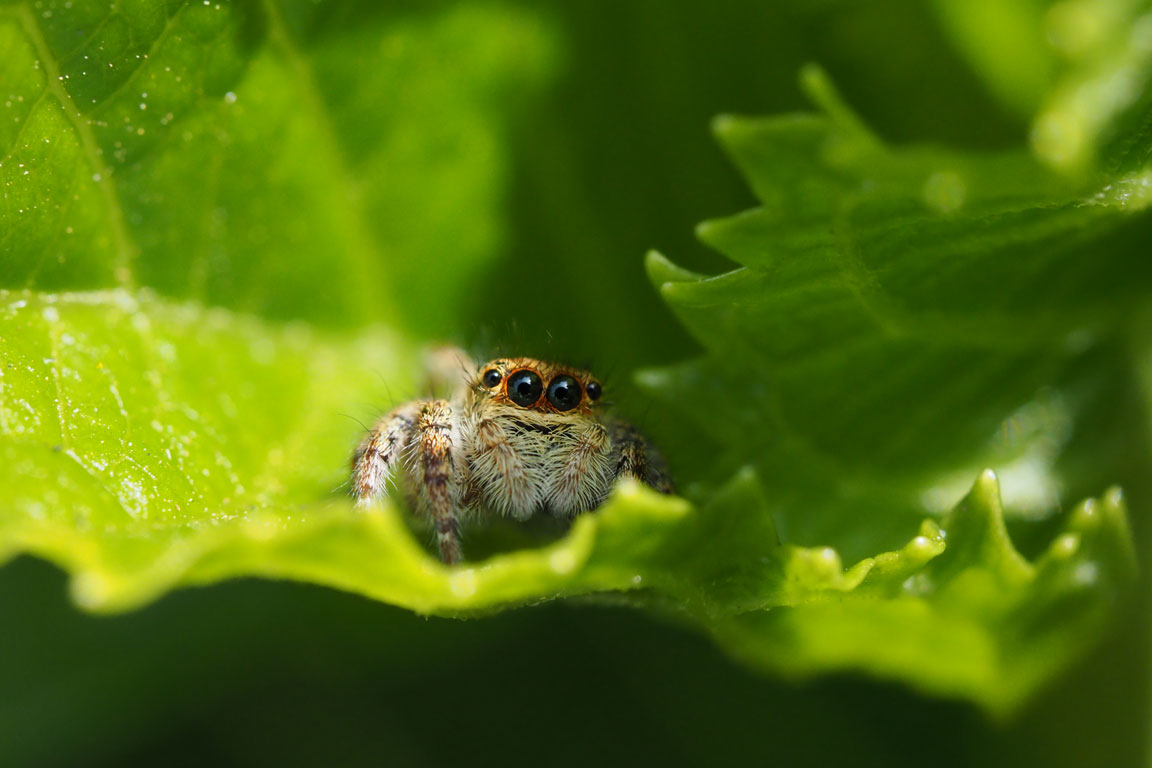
(586, 143)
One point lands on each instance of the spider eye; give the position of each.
(594, 390)
(524, 388)
(564, 393)
(491, 378)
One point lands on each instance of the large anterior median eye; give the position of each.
(524, 388)
(564, 392)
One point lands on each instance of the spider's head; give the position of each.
(537, 385)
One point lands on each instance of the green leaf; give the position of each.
(911, 273)
(149, 445)
(978, 621)
(903, 314)
(139, 434)
(233, 154)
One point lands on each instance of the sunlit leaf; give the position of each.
(233, 154)
(149, 445)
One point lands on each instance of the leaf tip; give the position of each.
(817, 86)
(705, 230)
(1106, 520)
(923, 548)
(663, 272)
(724, 125)
(987, 486)
(814, 81)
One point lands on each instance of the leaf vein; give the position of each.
(169, 24)
(125, 247)
(366, 250)
(23, 126)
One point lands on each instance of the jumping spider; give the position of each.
(519, 436)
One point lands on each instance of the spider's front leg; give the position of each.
(379, 452)
(434, 446)
(636, 458)
(421, 430)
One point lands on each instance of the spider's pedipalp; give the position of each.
(500, 470)
(636, 458)
(580, 477)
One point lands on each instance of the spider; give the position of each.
(519, 436)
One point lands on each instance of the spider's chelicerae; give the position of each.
(519, 436)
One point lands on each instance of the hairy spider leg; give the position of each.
(379, 452)
(434, 441)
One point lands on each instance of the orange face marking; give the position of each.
(525, 382)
